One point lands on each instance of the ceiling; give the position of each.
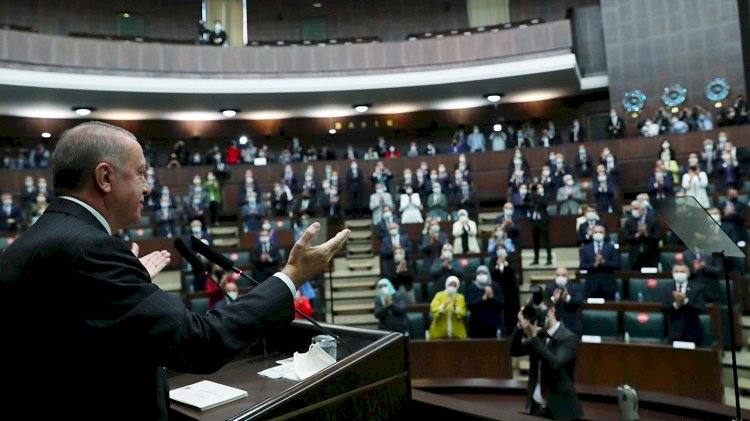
(42, 95)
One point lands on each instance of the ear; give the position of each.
(103, 177)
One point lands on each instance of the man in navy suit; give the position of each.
(570, 294)
(682, 304)
(642, 234)
(112, 329)
(11, 217)
(586, 229)
(511, 224)
(600, 260)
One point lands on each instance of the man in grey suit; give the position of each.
(99, 321)
(569, 196)
(552, 349)
(378, 200)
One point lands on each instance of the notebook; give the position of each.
(206, 394)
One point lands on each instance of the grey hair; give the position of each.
(83, 147)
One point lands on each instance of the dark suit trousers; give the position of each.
(541, 233)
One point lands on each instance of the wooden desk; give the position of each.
(694, 373)
(463, 358)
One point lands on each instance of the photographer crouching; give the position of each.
(552, 349)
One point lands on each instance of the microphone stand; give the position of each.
(305, 316)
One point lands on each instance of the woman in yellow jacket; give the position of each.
(448, 310)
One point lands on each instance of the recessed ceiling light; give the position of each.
(317, 5)
(46, 135)
(332, 131)
(494, 97)
(243, 140)
(361, 108)
(229, 113)
(83, 111)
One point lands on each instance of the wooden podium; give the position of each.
(371, 382)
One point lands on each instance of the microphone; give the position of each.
(225, 263)
(196, 262)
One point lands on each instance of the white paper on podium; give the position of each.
(301, 366)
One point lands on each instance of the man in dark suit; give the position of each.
(586, 229)
(511, 224)
(642, 233)
(734, 213)
(615, 125)
(551, 390)
(577, 132)
(570, 294)
(112, 329)
(682, 304)
(11, 217)
(266, 257)
(392, 240)
(600, 260)
(540, 224)
(354, 183)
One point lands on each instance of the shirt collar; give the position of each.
(551, 331)
(93, 211)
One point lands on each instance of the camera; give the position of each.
(534, 312)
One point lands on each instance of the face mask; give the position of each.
(233, 295)
(29, 183)
(523, 191)
(482, 278)
(196, 181)
(502, 253)
(195, 230)
(379, 191)
(196, 202)
(726, 157)
(722, 139)
(665, 158)
(635, 213)
(545, 173)
(561, 281)
(508, 212)
(398, 258)
(665, 145)
(451, 290)
(447, 255)
(680, 276)
(602, 178)
(598, 237)
(328, 170)
(463, 218)
(217, 28)
(264, 239)
(581, 152)
(659, 174)
(7, 202)
(590, 216)
(353, 167)
(251, 199)
(164, 205)
(693, 161)
(435, 228)
(393, 232)
(387, 215)
(540, 191)
(211, 178)
(570, 182)
(407, 177)
(384, 290)
(517, 161)
(709, 148)
(334, 179)
(433, 177)
(558, 161)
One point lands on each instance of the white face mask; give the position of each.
(590, 216)
(451, 290)
(387, 215)
(195, 230)
(483, 278)
(393, 232)
(398, 258)
(680, 276)
(502, 253)
(233, 294)
(266, 226)
(602, 178)
(635, 213)
(598, 237)
(463, 218)
(523, 191)
(545, 173)
(384, 290)
(447, 255)
(561, 281)
(508, 212)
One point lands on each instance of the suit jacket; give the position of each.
(570, 311)
(582, 234)
(683, 323)
(604, 274)
(377, 208)
(512, 231)
(112, 329)
(557, 360)
(644, 247)
(15, 213)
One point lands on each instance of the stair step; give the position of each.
(359, 264)
(353, 308)
(523, 366)
(344, 294)
(367, 321)
(359, 223)
(361, 235)
(488, 216)
(354, 284)
(359, 248)
(224, 230)
(226, 242)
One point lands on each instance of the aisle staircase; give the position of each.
(350, 291)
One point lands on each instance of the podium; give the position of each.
(370, 382)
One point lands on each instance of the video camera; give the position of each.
(534, 312)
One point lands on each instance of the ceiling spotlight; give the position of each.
(332, 131)
(361, 108)
(83, 111)
(243, 140)
(497, 127)
(46, 135)
(494, 97)
(229, 113)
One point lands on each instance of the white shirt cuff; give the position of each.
(287, 280)
(567, 298)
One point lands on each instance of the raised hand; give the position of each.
(305, 261)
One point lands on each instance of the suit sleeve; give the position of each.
(564, 353)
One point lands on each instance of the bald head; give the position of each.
(82, 148)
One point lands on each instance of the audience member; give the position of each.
(586, 229)
(503, 273)
(584, 164)
(411, 207)
(390, 308)
(253, 212)
(682, 305)
(570, 295)
(448, 309)
(437, 204)
(218, 37)
(465, 234)
(395, 240)
(433, 239)
(484, 301)
(266, 257)
(695, 182)
(444, 267)
(568, 197)
(11, 218)
(511, 224)
(378, 200)
(577, 132)
(599, 260)
(642, 234)
(540, 224)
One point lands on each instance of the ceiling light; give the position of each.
(494, 97)
(229, 113)
(497, 127)
(83, 111)
(317, 5)
(243, 140)
(46, 135)
(332, 131)
(361, 108)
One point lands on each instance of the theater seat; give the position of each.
(199, 305)
(624, 261)
(602, 323)
(708, 333)
(418, 288)
(470, 265)
(239, 258)
(651, 288)
(667, 259)
(416, 324)
(644, 327)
